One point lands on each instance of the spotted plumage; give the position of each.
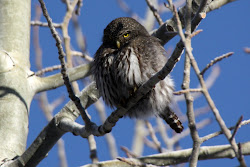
(127, 58)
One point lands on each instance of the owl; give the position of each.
(127, 58)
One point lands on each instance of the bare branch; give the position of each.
(241, 157)
(217, 59)
(155, 12)
(128, 152)
(47, 69)
(42, 98)
(181, 156)
(62, 153)
(93, 151)
(218, 4)
(195, 33)
(138, 138)
(186, 81)
(85, 56)
(163, 132)
(100, 107)
(237, 126)
(205, 91)
(47, 138)
(215, 72)
(72, 96)
(42, 24)
(207, 137)
(78, 9)
(55, 81)
(180, 92)
(186, 132)
(153, 136)
(167, 31)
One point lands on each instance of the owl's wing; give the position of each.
(102, 70)
(138, 62)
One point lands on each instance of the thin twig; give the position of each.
(93, 151)
(195, 33)
(210, 80)
(206, 93)
(78, 9)
(85, 56)
(153, 136)
(163, 132)
(217, 59)
(72, 96)
(155, 12)
(180, 92)
(237, 126)
(46, 107)
(62, 153)
(128, 152)
(212, 135)
(150, 143)
(100, 107)
(42, 24)
(186, 132)
(67, 41)
(165, 32)
(138, 137)
(186, 81)
(47, 69)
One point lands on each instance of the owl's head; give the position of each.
(121, 31)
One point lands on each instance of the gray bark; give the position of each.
(15, 90)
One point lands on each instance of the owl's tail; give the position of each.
(172, 119)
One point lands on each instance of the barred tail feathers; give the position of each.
(172, 119)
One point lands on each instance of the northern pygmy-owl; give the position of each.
(127, 58)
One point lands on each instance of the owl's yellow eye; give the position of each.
(126, 35)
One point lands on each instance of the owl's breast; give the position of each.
(127, 68)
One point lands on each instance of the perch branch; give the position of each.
(48, 137)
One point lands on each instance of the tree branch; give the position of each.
(181, 156)
(42, 24)
(155, 12)
(168, 30)
(48, 137)
(55, 81)
(217, 59)
(65, 76)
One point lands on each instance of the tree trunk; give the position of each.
(16, 90)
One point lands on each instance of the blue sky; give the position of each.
(224, 30)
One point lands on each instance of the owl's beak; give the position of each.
(118, 44)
